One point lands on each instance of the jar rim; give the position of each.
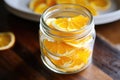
(88, 13)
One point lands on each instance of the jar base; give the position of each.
(50, 66)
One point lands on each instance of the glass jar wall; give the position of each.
(67, 38)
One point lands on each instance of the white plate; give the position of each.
(20, 8)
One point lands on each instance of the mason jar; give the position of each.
(66, 52)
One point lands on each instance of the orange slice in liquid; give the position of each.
(70, 24)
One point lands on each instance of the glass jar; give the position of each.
(66, 52)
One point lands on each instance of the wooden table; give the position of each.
(22, 61)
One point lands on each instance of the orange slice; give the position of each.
(100, 4)
(63, 62)
(34, 3)
(57, 48)
(7, 39)
(70, 24)
(41, 8)
(92, 9)
(80, 42)
(50, 2)
(81, 2)
(86, 4)
(64, 1)
(80, 56)
(77, 58)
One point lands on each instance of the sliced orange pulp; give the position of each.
(79, 42)
(77, 57)
(57, 48)
(68, 55)
(70, 24)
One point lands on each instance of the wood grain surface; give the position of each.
(110, 33)
(22, 61)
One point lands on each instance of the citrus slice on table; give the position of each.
(7, 40)
(70, 24)
(100, 4)
(57, 48)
